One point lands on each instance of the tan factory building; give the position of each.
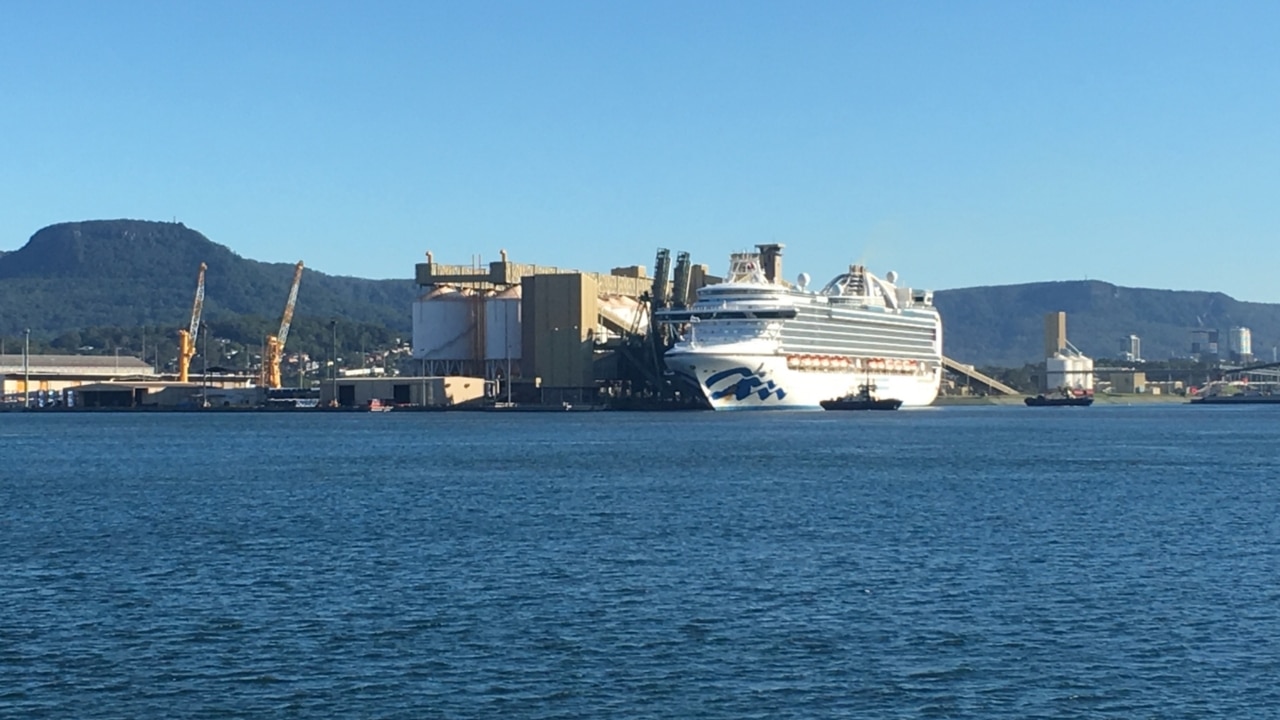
(545, 330)
(441, 392)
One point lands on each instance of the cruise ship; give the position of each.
(756, 342)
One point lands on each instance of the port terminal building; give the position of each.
(112, 381)
(543, 333)
(43, 378)
(422, 391)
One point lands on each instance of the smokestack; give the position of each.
(771, 261)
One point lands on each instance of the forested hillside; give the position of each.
(127, 283)
(132, 272)
(107, 284)
(1004, 325)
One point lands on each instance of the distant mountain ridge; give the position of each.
(130, 273)
(1004, 325)
(136, 272)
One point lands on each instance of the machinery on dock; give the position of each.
(273, 350)
(187, 336)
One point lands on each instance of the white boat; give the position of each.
(755, 342)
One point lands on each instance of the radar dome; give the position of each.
(802, 281)
(891, 276)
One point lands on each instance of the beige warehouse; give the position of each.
(446, 391)
(56, 373)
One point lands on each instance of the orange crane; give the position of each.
(187, 337)
(273, 352)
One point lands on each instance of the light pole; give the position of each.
(333, 359)
(204, 367)
(26, 368)
(506, 344)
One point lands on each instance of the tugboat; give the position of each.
(1066, 399)
(865, 399)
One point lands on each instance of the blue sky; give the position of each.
(959, 144)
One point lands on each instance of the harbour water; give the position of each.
(994, 562)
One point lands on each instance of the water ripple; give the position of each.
(952, 564)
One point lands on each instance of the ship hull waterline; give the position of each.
(765, 382)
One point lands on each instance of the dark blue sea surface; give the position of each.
(995, 562)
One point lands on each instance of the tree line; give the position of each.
(234, 343)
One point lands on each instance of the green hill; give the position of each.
(129, 283)
(1004, 325)
(133, 273)
(104, 285)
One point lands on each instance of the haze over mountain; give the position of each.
(124, 273)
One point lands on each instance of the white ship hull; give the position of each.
(752, 343)
(765, 382)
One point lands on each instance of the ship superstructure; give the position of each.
(755, 342)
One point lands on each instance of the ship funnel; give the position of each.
(771, 261)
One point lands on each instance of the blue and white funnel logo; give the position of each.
(741, 383)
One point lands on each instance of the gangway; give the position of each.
(970, 372)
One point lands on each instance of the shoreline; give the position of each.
(941, 401)
(1100, 399)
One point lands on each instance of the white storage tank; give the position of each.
(502, 325)
(444, 325)
(1068, 371)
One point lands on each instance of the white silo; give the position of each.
(444, 327)
(1071, 371)
(502, 328)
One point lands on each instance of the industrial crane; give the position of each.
(187, 337)
(274, 349)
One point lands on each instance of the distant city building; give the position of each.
(1131, 348)
(1240, 344)
(1204, 344)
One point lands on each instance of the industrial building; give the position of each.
(163, 395)
(437, 392)
(45, 377)
(1065, 367)
(66, 380)
(543, 333)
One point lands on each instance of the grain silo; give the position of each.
(444, 330)
(502, 317)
